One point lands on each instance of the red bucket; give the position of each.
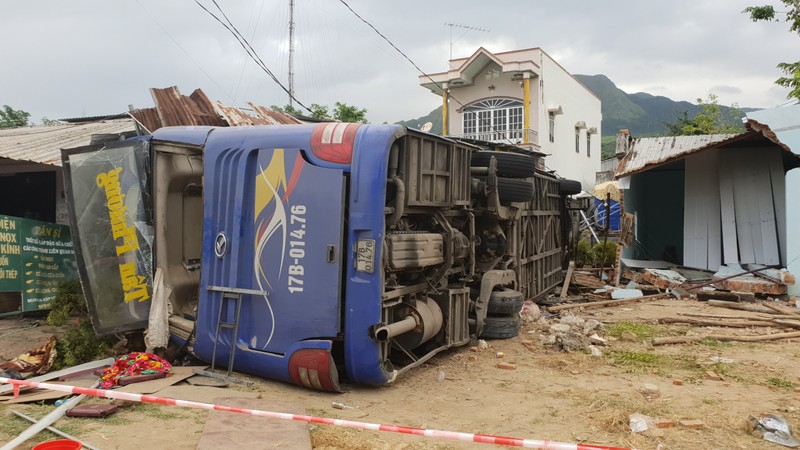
(60, 444)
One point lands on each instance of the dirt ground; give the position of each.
(567, 397)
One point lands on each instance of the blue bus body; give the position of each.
(352, 249)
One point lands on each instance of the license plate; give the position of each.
(365, 256)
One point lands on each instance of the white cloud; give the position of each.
(87, 57)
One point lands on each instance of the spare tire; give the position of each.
(569, 187)
(512, 190)
(508, 164)
(505, 301)
(500, 327)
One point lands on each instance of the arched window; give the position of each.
(494, 119)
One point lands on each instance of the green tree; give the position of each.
(50, 122)
(791, 70)
(346, 113)
(11, 118)
(288, 109)
(710, 120)
(319, 111)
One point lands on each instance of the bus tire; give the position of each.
(505, 301)
(500, 327)
(512, 190)
(509, 164)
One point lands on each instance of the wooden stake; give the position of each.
(743, 307)
(567, 279)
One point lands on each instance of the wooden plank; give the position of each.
(689, 214)
(742, 207)
(778, 182)
(714, 222)
(730, 244)
(766, 210)
(567, 279)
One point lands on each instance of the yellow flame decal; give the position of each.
(274, 174)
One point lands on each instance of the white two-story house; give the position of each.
(526, 98)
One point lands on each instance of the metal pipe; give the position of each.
(399, 202)
(56, 431)
(386, 332)
(46, 421)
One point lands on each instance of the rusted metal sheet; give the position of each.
(148, 118)
(175, 109)
(260, 116)
(43, 144)
(274, 117)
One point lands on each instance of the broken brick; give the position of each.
(473, 349)
(507, 366)
(711, 375)
(473, 358)
(651, 391)
(664, 423)
(692, 423)
(677, 382)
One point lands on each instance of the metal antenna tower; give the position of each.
(467, 29)
(291, 52)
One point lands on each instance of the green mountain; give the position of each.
(434, 117)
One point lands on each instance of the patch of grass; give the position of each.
(780, 382)
(711, 342)
(157, 411)
(641, 330)
(638, 362)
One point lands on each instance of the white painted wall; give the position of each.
(558, 87)
(784, 121)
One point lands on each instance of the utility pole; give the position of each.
(468, 28)
(291, 52)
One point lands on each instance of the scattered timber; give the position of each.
(608, 302)
(732, 323)
(727, 296)
(752, 308)
(726, 338)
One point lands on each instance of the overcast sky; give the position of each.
(83, 58)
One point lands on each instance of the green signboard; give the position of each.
(34, 258)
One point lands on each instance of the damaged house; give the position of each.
(707, 201)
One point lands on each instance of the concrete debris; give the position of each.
(597, 340)
(482, 345)
(558, 328)
(618, 294)
(650, 391)
(571, 341)
(629, 336)
(572, 321)
(594, 351)
(592, 326)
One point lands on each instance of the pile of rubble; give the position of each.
(572, 333)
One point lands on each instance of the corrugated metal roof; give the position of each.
(43, 144)
(644, 153)
(262, 116)
(174, 109)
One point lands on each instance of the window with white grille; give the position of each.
(495, 119)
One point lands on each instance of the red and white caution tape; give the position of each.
(453, 435)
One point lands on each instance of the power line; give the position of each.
(248, 48)
(484, 121)
(185, 52)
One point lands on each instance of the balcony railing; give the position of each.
(509, 136)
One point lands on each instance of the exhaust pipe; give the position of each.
(420, 321)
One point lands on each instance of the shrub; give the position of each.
(605, 255)
(80, 344)
(585, 254)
